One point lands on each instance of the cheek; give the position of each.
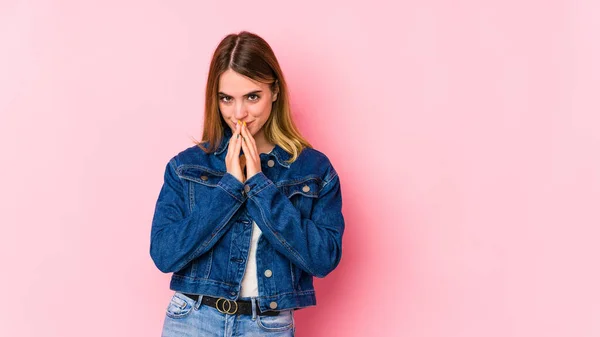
(227, 112)
(260, 110)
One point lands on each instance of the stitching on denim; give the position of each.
(281, 161)
(224, 189)
(333, 176)
(256, 192)
(198, 181)
(204, 279)
(300, 180)
(182, 167)
(329, 181)
(191, 197)
(303, 292)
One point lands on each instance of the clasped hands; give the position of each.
(242, 139)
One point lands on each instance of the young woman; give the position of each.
(246, 218)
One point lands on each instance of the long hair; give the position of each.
(251, 56)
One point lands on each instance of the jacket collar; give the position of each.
(278, 152)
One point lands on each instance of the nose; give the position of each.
(240, 111)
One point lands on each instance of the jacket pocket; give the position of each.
(200, 180)
(302, 193)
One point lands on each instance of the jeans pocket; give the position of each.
(283, 321)
(179, 306)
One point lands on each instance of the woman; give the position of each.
(246, 218)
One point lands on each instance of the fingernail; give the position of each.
(244, 123)
(239, 122)
(238, 136)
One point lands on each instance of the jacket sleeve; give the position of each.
(178, 236)
(314, 244)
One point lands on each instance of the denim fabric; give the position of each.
(202, 225)
(188, 318)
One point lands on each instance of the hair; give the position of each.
(251, 56)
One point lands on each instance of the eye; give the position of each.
(253, 97)
(225, 99)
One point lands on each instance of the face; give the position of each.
(243, 99)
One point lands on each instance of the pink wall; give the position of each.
(466, 134)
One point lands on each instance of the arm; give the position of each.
(177, 238)
(315, 244)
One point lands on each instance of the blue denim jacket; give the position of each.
(202, 225)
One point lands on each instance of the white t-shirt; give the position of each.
(250, 280)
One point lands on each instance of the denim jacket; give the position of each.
(202, 225)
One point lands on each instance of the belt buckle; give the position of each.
(226, 309)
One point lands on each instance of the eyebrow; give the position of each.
(248, 94)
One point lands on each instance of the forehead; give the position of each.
(235, 84)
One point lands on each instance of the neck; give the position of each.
(262, 145)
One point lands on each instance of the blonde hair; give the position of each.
(251, 56)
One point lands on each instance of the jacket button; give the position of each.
(204, 178)
(268, 273)
(273, 305)
(271, 163)
(305, 188)
(247, 188)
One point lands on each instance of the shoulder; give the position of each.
(196, 156)
(313, 160)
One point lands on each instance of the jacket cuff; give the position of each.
(256, 183)
(233, 187)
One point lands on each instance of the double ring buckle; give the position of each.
(226, 310)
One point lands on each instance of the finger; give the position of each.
(250, 142)
(247, 151)
(250, 157)
(233, 150)
(248, 134)
(230, 147)
(238, 140)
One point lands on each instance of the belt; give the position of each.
(227, 306)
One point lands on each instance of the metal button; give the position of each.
(271, 163)
(305, 188)
(247, 188)
(273, 305)
(268, 273)
(204, 177)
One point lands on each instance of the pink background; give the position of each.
(466, 135)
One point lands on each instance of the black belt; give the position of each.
(227, 306)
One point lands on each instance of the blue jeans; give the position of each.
(188, 318)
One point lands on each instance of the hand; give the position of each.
(232, 160)
(251, 152)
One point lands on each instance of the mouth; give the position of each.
(247, 125)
